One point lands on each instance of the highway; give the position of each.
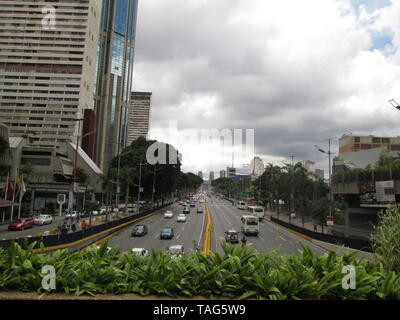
(224, 217)
(185, 233)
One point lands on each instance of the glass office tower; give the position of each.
(114, 77)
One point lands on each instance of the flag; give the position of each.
(23, 188)
(10, 190)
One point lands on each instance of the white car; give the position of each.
(140, 252)
(72, 214)
(181, 218)
(176, 251)
(95, 213)
(43, 219)
(168, 215)
(202, 201)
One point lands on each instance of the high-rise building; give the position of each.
(47, 67)
(257, 167)
(222, 174)
(200, 174)
(139, 116)
(114, 77)
(211, 176)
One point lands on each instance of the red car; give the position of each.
(21, 224)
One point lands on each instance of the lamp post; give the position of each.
(72, 185)
(329, 153)
(154, 182)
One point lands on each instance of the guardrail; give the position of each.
(359, 244)
(207, 233)
(59, 241)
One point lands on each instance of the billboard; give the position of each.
(377, 195)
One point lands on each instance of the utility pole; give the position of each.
(140, 180)
(72, 185)
(329, 153)
(292, 159)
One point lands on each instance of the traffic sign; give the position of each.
(293, 214)
(61, 198)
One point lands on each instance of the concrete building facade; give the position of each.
(139, 116)
(47, 67)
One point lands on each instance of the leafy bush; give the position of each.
(238, 273)
(386, 241)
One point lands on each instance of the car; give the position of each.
(43, 219)
(95, 213)
(140, 252)
(21, 224)
(199, 210)
(139, 230)
(167, 233)
(232, 236)
(202, 201)
(72, 214)
(186, 210)
(176, 251)
(168, 214)
(181, 218)
(192, 204)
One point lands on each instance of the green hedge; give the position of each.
(239, 273)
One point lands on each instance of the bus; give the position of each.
(241, 205)
(250, 225)
(256, 211)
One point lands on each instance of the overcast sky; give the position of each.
(297, 72)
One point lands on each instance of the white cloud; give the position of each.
(295, 71)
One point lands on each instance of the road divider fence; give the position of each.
(61, 241)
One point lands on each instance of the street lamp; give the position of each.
(73, 183)
(329, 153)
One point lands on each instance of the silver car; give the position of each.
(43, 219)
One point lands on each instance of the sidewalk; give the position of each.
(297, 221)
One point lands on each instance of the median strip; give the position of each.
(207, 232)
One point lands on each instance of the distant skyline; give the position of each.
(297, 77)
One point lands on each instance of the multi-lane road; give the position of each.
(224, 217)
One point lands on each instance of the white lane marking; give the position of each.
(261, 237)
(177, 237)
(283, 238)
(157, 235)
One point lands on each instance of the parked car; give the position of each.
(186, 210)
(167, 233)
(139, 230)
(21, 224)
(199, 210)
(43, 219)
(232, 236)
(176, 251)
(168, 214)
(140, 252)
(181, 218)
(95, 213)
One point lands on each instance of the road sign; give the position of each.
(329, 221)
(293, 214)
(61, 198)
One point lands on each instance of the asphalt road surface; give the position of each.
(185, 233)
(224, 217)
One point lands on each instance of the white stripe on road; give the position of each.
(177, 237)
(283, 239)
(261, 237)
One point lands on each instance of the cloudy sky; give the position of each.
(297, 72)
